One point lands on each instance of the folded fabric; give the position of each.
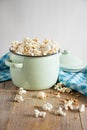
(4, 70)
(76, 81)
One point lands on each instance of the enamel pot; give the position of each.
(34, 72)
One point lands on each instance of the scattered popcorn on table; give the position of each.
(82, 108)
(22, 91)
(41, 95)
(47, 107)
(68, 102)
(33, 47)
(60, 112)
(19, 98)
(39, 113)
(60, 87)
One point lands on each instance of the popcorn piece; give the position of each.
(26, 40)
(75, 101)
(82, 108)
(41, 95)
(61, 83)
(59, 88)
(58, 95)
(14, 46)
(39, 113)
(19, 98)
(60, 112)
(68, 105)
(22, 91)
(47, 107)
(46, 49)
(68, 90)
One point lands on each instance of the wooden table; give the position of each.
(20, 116)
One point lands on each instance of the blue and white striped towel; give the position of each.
(4, 70)
(76, 81)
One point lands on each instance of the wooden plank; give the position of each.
(5, 104)
(22, 116)
(83, 116)
(1, 86)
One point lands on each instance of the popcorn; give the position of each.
(68, 105)
(22, 91)
(82, 108)
(26, 40)
(58, 95)
(59, 87)
(39, 113)
(32, 47)
(47, 107)
(68, 90)
(60, 112)
(15, 45)
(75, 101)
(41, 95)
(19, 98)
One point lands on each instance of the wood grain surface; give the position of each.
(20, 116)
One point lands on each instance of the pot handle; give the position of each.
(13, 64)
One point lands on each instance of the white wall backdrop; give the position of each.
(64, 21)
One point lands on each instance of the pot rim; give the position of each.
(34, 56)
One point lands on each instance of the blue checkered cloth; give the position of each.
(76, 81)
(4, 70)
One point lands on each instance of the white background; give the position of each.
(64, 21)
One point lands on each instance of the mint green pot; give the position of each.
(34, 73)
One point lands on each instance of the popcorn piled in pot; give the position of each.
(33, 47)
